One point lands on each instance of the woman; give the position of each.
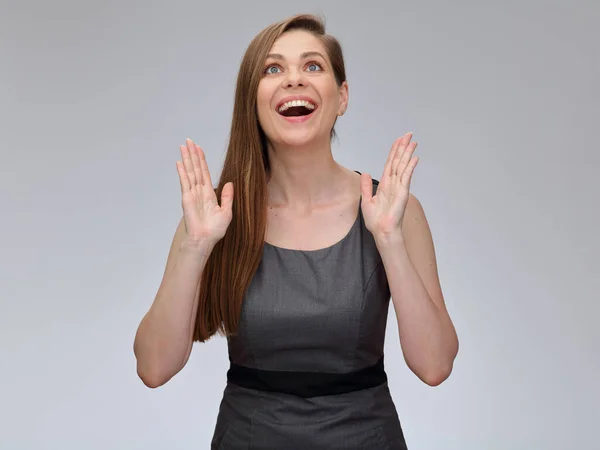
(297, 272)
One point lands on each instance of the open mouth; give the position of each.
(296, 108)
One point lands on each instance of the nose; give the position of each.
(294, 79)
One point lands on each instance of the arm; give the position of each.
(427, 336)
(164, 338)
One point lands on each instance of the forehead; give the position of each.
(293, 43)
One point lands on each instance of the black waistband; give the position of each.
(307, 384)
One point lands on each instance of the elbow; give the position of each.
(151, 380)
(156, 374)
(154, 377)
(434, 375)
(145, 372)
(153, 371)
(437, 375)
(437, 378)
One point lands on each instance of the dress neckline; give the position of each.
(329, 247)
(332, 246)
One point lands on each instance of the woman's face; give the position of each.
(298, 97)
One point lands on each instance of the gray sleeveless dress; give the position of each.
(307, 362)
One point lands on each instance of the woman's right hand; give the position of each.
(205, 220)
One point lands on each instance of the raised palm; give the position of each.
(205, 220)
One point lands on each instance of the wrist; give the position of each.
(199, 246)
(394, 239)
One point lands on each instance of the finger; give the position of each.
(204, 168)
(208, 190)
(366, 187)
(187, 162)
(387, 172)
(196, 162)
(407, 175)
(388, 163)
(184, 181)
(200, 151)
(397, 148)
(403, 158)
(227, 196)
(406, 159)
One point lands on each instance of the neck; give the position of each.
(303, 177)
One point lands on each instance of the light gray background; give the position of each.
(503, 99)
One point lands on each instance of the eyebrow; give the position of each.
(302, 56)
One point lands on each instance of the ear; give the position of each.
(343, 99)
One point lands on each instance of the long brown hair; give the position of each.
(235, 258)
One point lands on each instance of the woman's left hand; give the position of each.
(383, 212)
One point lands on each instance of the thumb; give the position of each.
(227, 196)
(366, 187)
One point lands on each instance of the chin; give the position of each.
(299, 138)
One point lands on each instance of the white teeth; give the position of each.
(292, 103)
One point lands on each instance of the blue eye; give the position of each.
(274, 69)
(268, 69)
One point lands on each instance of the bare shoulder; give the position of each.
(416, 230)
(414, 211)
